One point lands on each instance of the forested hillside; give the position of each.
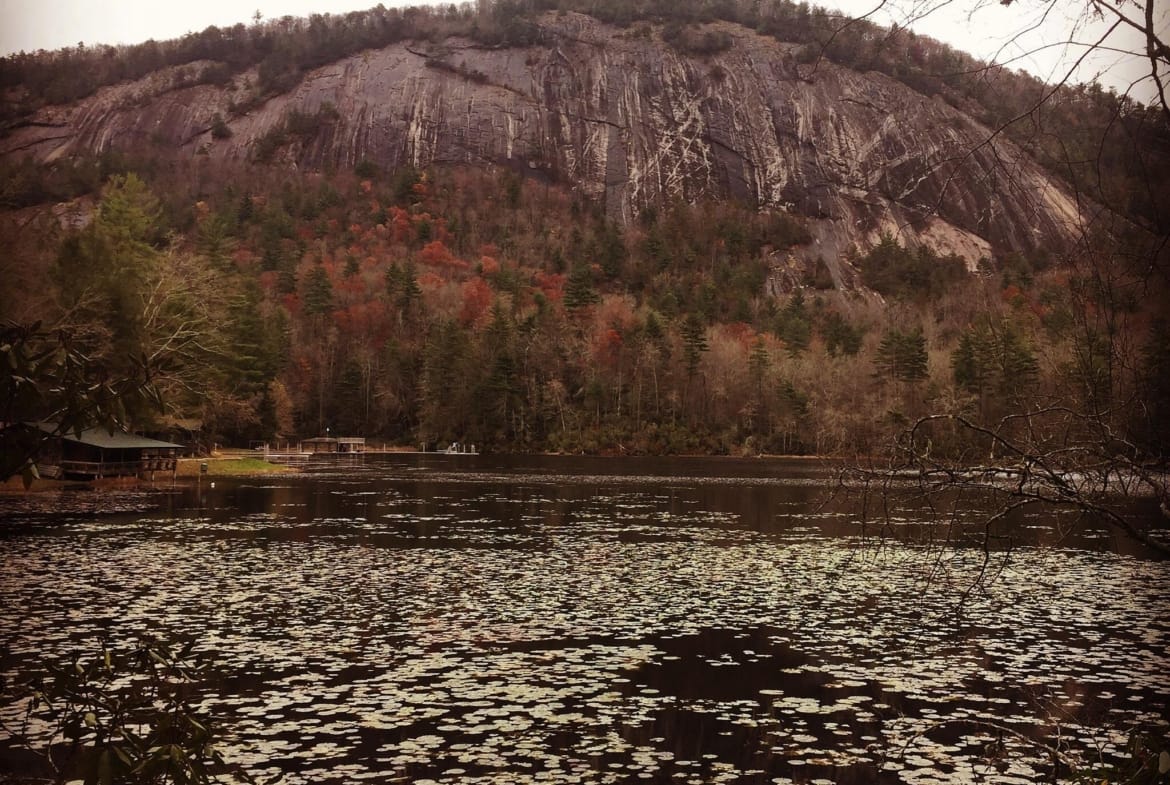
(474, 305)
(285, 294)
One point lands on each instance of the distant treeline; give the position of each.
(476, 306)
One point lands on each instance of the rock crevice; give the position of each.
(628, 121)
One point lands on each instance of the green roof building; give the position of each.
(98, 453)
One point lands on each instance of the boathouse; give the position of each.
(96, 453)
(319, 444)
(351, 444)
(334, 444)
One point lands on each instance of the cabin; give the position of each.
(97, 453)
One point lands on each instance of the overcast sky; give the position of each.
(982, 27)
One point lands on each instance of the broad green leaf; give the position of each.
(122, 754)
(105, 770)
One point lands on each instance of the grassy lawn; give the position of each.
(227, 467)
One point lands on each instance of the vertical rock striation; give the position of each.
(629, 121)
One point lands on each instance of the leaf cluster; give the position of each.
(45, 377)
(123, 717)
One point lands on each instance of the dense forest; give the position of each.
(474, 305)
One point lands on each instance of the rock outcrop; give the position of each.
(627, 120)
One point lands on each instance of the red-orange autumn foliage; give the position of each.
(437, 227)
(244, 259)
(436, 254)
(607, 347)
(351, 289)
(477, 297)
(551, 284)
(617, 312)
(741, 333)
(367, 321)
(400, 224)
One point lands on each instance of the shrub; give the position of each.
(125, 717)
(220, 129)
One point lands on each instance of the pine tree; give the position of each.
(840, 336)
(996, 365)
(794, 325)
(214, 241)
(579, 291)
(902, 356)
(318, 292)
(758, 363)
(402, 286)
(694, 337)
(971, 363)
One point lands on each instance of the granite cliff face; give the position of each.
(627, 120)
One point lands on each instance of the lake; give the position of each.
(468, 619)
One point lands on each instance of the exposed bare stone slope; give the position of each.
(628, 120)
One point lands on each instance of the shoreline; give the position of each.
(240, 462)
(229, 465)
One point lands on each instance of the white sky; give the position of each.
(981, 27)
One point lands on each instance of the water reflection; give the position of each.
(464, 619)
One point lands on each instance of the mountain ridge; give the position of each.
(623, 117)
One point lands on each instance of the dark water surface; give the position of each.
(472, 619)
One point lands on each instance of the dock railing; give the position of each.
(101, 469)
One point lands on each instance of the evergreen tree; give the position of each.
(1018, 367)
(794, 326)
(840, 336)
(694, 337)
(318, 292)
(213, 240)
(611, 250)
(1153, 425)
(579, 291)
(350, 401)
(130, 303)
(996, 365)
(901, 356)
(971, 363)
(445, 384)
(402, 285)
(654, 330)
(758, 363)
(410, 293)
